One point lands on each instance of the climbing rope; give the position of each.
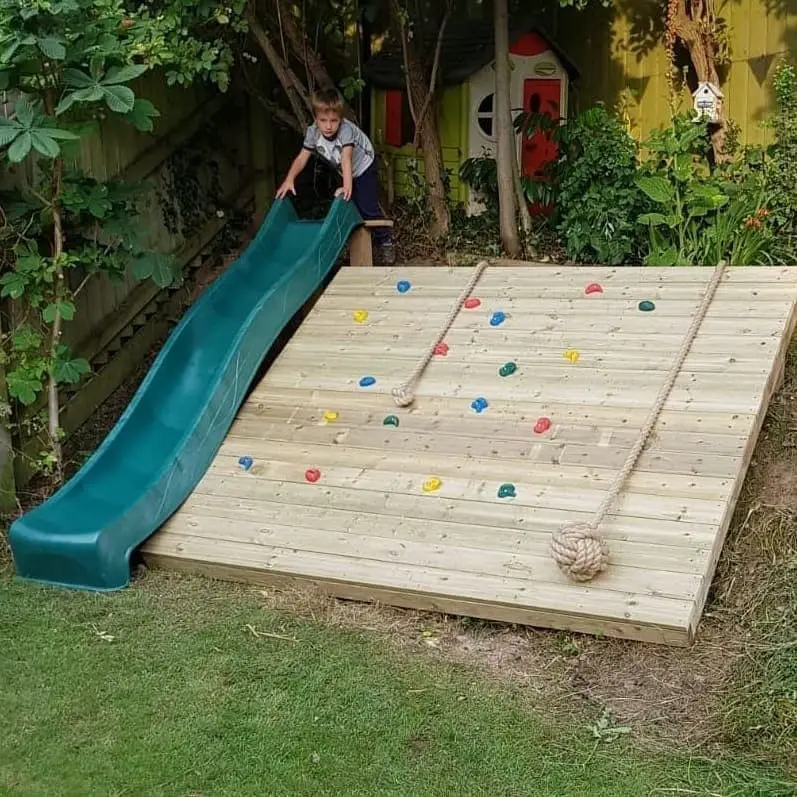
(403, 394)
(578, 548)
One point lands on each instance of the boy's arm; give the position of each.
(346, 158)
(299, 162)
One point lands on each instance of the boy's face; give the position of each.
(328, 123)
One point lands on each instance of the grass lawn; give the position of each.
(180, 686)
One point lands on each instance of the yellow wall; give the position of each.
(452, 118)
(619, 49)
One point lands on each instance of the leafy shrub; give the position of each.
(597, 197)
(702, 216)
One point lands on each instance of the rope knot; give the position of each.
(579, 551)
(403, 395)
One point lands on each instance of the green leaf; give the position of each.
(8, 132)
(44, 144)
(24, 111)
(124, 74)
(59, 134)
(66, 309)
(683, 166)
(52, 48)
(156, 267)
(9, 51)
(23, 387)
(119, 99)
(13, 285)
(26, 339)
(76, 79)
(653, 219)
(71, 371)
(142, 114)
(657, 188)
(663, 257)
(19, 150)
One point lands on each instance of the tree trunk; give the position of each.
(505, 134)
(421, 97)
(695, 27)
(307, 55)
(297, 96)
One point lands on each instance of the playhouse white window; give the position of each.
(484, 116)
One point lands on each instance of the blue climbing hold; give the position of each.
(497, 318)
(402, 286)
(479, 405)
(507, 491)
(246, 462)
(367, 381)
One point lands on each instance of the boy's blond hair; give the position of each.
(327, 100)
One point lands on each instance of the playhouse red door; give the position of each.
(540, 96)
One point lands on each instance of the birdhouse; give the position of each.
(707, 101)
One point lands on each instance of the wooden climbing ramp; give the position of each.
(411, 515)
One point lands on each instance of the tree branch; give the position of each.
(307, 54)
(298, 100)
(435, 65)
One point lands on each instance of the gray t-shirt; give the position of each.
(331, 149)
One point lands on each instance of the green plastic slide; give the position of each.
(84, 535)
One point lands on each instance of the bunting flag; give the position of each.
(759, 66)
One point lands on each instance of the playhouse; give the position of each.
(542, 81)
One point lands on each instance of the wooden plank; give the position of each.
(367, 529)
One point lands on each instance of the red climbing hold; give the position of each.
(312, 475)
(593, 287)
(441, 349)
(471, 303)
(542, 425)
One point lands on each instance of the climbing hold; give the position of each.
(391, 420)
(572, 355)
(507, 369)
(479, 405)
(506, 491)
(402, 286)
(497, 318)
(312, 475)
(441, 349)
(367, 381)
(471, 303)
(593, 287)
(330, 416)
(431, 484)
(646, 306)
(360, 316)
(245, 462)
(543, 425)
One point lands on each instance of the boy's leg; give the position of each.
(365, 195)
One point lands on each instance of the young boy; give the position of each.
(346, 148)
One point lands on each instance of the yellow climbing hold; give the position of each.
(360, 316)
(431, 484)
(330, 416)
(572, 355)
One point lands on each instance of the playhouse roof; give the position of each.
(467, 47)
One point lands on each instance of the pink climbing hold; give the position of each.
(593, 287)
(471, 303)
(542, 425)
(312, 475)
(441, 349)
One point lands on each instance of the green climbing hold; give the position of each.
(506, 491)
(391, 420)
(507, 369)
(646, 306)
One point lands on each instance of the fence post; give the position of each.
(8, 492)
